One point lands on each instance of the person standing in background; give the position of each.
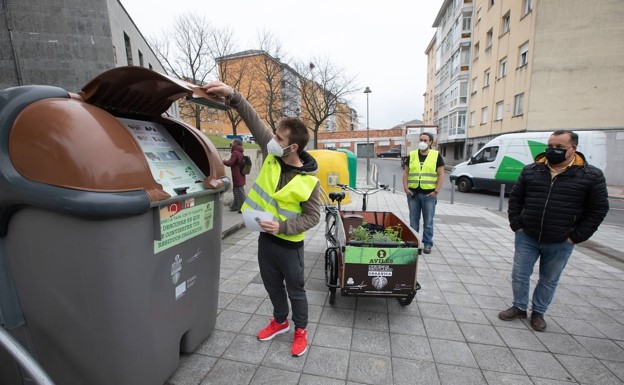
(423, 176)
(238, 179)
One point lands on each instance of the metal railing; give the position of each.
(28, 364)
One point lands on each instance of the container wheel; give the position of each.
(404, 301)
(464, 184)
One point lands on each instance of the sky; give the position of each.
(379, 43)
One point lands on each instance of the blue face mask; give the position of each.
(555, 155)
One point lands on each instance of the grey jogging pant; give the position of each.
(278, 265)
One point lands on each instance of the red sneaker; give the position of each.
(300, 343)
(272, 330)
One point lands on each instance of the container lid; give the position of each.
(141, 91)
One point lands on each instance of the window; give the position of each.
(484, 115)
(527, 6)
(523, 55)
(491, 2)
(141, 59)
(505, 24)
(486, 78)
(128, 49)
(475, 84)
(461, 122)
(463, 92)
(488, 39)
(478, 15)
(486, 155)
(473, 119)
(475, 52)
(502, 68)
(499, 110)
(518, 101)
(467, 23)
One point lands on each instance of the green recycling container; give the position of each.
(351, 165)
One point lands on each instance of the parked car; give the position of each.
(391, 153)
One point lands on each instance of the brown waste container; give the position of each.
(110, 229)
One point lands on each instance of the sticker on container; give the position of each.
(195, 256)
(176, 267)
(180, 290)
(380, 271)
(379, 282)
(376, 255)
(332, 179)
(179, 223)
(169, 164)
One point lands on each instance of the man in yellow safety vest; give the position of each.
(288, 189)
(423, 176)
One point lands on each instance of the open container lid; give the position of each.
(140, 91)
(76, 142)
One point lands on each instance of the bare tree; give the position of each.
(323, 89)
(236, 72)
(189, 50)
(270, 74)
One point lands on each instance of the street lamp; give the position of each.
(367, 91)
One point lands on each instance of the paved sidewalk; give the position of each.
(450, 334)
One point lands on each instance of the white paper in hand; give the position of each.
(252, 217)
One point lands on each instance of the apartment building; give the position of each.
(66, 43)
(273, 88)
(500, 83)
(452, 63)
(429, 115)
(548, 65)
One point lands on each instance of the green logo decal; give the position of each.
(377, 255)
(509, 169)
(536, 148)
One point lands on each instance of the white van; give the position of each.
(502, 159)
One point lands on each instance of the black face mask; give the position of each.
(555, 155)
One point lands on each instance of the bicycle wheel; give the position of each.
(334, 231)
(330, 229)
(332, 265)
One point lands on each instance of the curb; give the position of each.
(227, 232)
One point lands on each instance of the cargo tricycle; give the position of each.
(369, 253)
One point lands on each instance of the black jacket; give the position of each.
(572, 205)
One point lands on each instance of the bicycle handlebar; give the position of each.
(366, 191)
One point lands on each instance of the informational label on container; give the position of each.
(381, 255)
(180, 221)
(170, 165)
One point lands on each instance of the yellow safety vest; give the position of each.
(426, 177)
(285, 203)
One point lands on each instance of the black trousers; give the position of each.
(279, 265)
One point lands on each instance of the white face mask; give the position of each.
(422, 146)
(274, 148)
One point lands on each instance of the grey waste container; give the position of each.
(110, 229)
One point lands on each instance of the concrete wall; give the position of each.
(66, 43)
(578, 64)
(122, 23)
(57, 42)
